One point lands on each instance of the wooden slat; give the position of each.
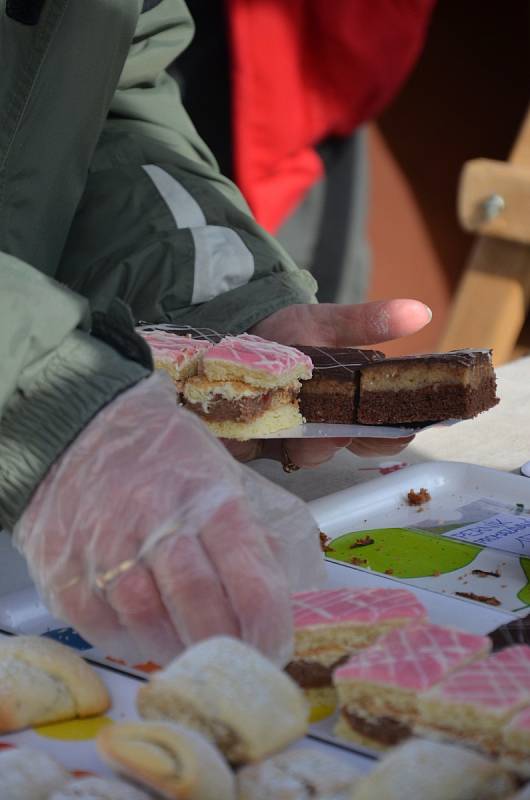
(492, 301)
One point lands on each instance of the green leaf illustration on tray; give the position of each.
(428, 559)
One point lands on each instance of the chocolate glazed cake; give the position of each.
(332, 394)
(351, 385)
(428, 388)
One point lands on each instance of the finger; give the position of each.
(136, 601)
(312, 452)
(366, 323)
(244, 451)
(192, 592)
(253, 579)
(379, 447)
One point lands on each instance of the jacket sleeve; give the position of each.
(158, 225)
(55, 377)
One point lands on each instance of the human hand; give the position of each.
(331, 325)
(147, 533)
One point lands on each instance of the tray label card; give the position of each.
(509, 532)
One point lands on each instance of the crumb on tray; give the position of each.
(480, 598)
(418, 498)
(363, 542)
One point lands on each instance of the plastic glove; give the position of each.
(146, 532)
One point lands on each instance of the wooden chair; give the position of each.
(492, 302)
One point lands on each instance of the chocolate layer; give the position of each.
(515, 632)
(428, 404)
(386, 730)
(242, 409)
(338, 363)
(311, 674)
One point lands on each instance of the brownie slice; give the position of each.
(515, 632)
(427, 388)
(331, 395)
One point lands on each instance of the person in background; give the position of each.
(137, 525)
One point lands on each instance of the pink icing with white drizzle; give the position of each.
(173, 348)
(260, 355)
(500, 682)
(415, 657)
(363, 606)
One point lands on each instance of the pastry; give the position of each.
(378, 687)
(248, 387)
(333, 623)
(172, 760)
(332, 394)
(422, 770)
(43, 681)
(297, 775)
(473, 704)
(232, 694)
(178, 355)
(98, 789)
(427, 388)
(27, 774)
(515, 747)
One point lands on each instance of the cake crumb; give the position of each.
(483, 573)
(436, 573)
(358, 562)
(418, 498)
(389, 571)
(363, 542)
(324, 543)
(481, 598)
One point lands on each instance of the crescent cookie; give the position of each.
(170, 759)
(297, 775)
(98, 789)
(230, 693)
(42, 681)
(29, 774)
(424, 770)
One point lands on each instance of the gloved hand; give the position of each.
(146, 532)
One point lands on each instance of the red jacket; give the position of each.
(304, 70)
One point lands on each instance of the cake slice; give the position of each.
(475, 703)
(428, 388)
(517, 631)
(332, 624)
(378, 687)
(332, 394)
(248, 387)
(179, 356)
(515, 748)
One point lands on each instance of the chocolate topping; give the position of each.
(311, 674)
(515, 632)
(385, 730)
(340, 363)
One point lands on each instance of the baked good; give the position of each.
(332, 394)
(333, 623)
(231, 694)
(172, 760)
(427, 388)
(179, 356)
(43, 681)
(473, 704)
(297, 775)
(422, 770)
(98, 789)
(515, 747)
(27, 774)
(247, 387)
(378, 687)
(517, 631)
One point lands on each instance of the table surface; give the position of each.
(499, 438)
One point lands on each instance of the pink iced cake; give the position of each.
(378, 687)
(177, 355)
(515, 747)
(473, 704)
(332, 624)
(248, 386)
